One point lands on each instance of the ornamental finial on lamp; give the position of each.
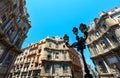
(83, 28)
(66, 38)
(75, 30)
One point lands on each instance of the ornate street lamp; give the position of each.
(80, 45)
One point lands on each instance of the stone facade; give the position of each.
(104, 43)
(77, 66)
(48, 58)
(14, 25)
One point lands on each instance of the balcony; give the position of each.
(110, 22)
(32, 53)
(104, 75)
(30, 68)
(25, 70)
(36, 68)
(27, 62)
(34, 47)
(44, 58)
(115, 45)
(18, 70)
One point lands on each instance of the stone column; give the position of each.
(61, 69)
(109, 42)
(108, 69)
(51, 69)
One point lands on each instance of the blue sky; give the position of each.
(58, 17)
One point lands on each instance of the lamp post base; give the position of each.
(88, 76)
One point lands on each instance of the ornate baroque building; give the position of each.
(14, 26)
(104, 43)
(49, 58)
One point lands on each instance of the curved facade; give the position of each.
(104, 43)
(49, 58)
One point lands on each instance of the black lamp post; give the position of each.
(80, 45)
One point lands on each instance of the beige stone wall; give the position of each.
(104, 48)
(35, 58)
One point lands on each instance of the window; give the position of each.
(3, 18)
(1, 51)
(17, 42)
(56, 55)
(57, 46)
(10, 31)
(15, 38)
(6, 24)
(36, 64)
(65, 67)
(39, 51)
(29, 73)
(104, 45)
(56, 66)
(18, 20)
(15, 6)
(95, 50)
(114, 39)
(112, 59)
(64, 54)
(97, 33)
(47, 68)
(9, 60)
(50, 45)
(35, 73)
(24, 28)
(104, 26)
(49, 56)
(63, 46)
(102, 67)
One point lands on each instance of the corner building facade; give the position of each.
(14, 26)
(48, 58)
(104, 43)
